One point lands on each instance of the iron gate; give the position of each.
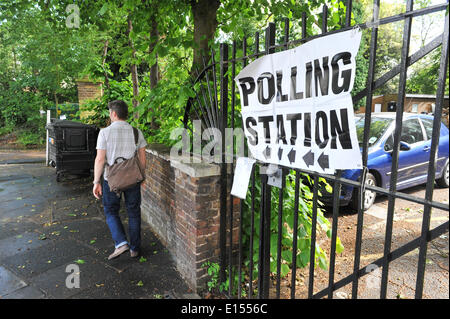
(213, 107)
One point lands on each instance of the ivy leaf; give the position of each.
(284, 270)
(142, 259)
(286, 255)
(323, 263)
(80, 261)
(303, 258)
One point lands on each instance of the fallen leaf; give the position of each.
(142, 259)
(80, 261)
(140, 283)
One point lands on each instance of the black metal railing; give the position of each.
(215, 104)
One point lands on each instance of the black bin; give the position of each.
(72, 147)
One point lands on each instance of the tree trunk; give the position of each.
(154, 70)
(205, 24)
(105, 52)
(133, 68)
(56, 104)
(154, 36)
(15, 61)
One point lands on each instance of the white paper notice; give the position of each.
(297, 109)
(244, 166)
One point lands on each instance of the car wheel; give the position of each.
(369, 196)
(443, 180)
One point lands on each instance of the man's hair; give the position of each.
(120, 107)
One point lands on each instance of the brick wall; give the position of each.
(88, 91)
(181, 202)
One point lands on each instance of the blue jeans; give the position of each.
(111, 205)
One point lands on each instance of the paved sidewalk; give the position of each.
(22, 156)
(46, 226)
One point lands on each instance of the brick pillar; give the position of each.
(88, 90)
(181, 202)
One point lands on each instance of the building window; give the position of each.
(414, 108)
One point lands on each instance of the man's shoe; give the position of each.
(134, 254)
(118, 251)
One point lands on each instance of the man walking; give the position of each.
(117, 140)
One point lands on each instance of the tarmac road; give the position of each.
(46, 226)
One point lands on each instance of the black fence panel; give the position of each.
(246, 265)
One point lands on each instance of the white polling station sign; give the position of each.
(297, 110)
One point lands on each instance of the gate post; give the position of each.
(265, 218)
(223, 165)
(264, 239)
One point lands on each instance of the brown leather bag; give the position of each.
(127, 173)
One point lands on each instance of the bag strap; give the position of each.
(136, 139)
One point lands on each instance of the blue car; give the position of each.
(415, 144)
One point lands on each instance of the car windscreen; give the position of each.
(378, 126)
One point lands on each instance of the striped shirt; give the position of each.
(118, 141)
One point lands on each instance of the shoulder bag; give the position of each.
(127, 173)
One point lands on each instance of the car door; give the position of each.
(413, 162)
(442, 155)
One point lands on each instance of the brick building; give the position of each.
(414, 103)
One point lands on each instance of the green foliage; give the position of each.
(96, 111)
(303, 233)
(28, 138)
(213, 270)
(162, 110)
(20, 108)
(304, 226)
(424, 78)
